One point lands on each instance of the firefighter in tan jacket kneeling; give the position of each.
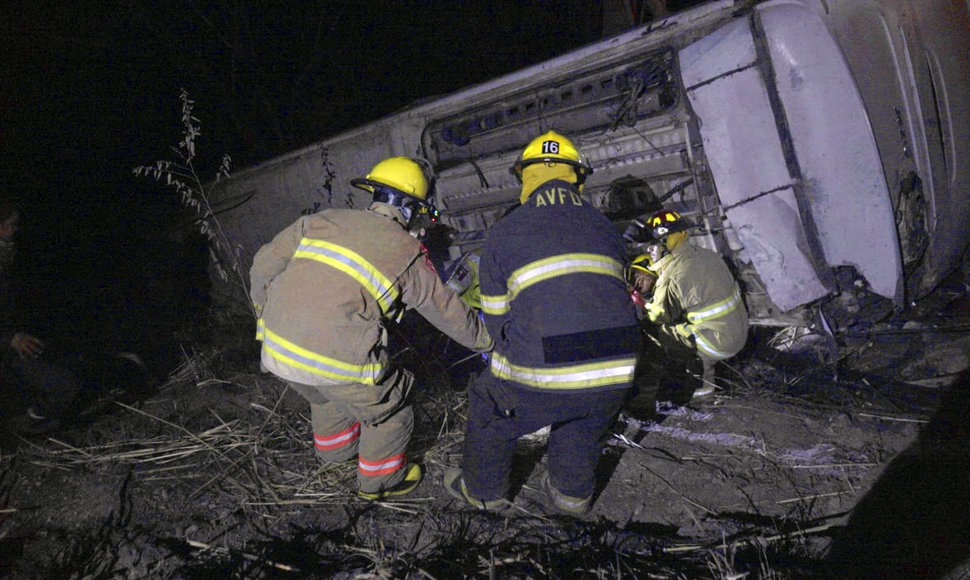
(694, 310)
(326, 289)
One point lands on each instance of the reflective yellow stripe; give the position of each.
(296, 356)
(494, 304)
(547, 268)
(718, 310)
(352, 264)
(260, 330)
(709, 350)
(584, 376)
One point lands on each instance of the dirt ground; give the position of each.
(859, 468)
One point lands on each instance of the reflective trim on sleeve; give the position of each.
(383, 467)
(709, 350)
(583, 376)
(352, 264)
(494, 305)
(298, 357)
(260, 329)
(716, 310)
(547, 268)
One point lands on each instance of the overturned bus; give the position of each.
(821, 146)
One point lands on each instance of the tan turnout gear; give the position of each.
(326, 288)
(697, 303)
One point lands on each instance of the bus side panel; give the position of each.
(744, 152)
(834, 146)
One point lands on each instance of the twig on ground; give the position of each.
(887, 418)
(775, 538)
(217, 549)
(810, 497)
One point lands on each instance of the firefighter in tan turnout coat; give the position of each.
(694, 309)
(326, 289)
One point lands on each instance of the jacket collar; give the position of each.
(681, 251)
(388, 211)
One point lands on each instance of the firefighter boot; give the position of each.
(568, 504)
(455, 486)
(704, 393)
(412, 478)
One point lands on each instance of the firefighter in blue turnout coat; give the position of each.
(555, 301)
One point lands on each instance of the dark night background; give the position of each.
(90, 90)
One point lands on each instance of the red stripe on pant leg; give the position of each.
(383, 467)
(346, 437)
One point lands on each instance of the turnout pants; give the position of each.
(667, 370)
(370, 422)
(500, 412)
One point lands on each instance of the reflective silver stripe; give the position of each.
(296, 356)
(494, 304)
(384, 467)
(561, 265)
(548, 268)
(717, 310)
(352, 264)
(582, 376)
(708, 349)
(339, 440)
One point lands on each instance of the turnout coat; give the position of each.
(327, 286)
(555, 298)
(696, 302)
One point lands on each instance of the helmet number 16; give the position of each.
(550, 147)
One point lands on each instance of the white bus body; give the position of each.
(820, 145)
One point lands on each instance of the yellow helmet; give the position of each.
(400, 173)
(551, 147)
(642, 262)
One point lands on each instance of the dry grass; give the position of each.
(253, 455)
(253, 450)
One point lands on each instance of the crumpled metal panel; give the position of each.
(836, 151)
(771, 231)
(744, 153)
(727, 48)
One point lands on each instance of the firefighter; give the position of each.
(554, 298)
(328, 289)
(641, 279)
(694, 310)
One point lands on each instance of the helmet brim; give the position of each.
(582, 171)
(371, 186)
